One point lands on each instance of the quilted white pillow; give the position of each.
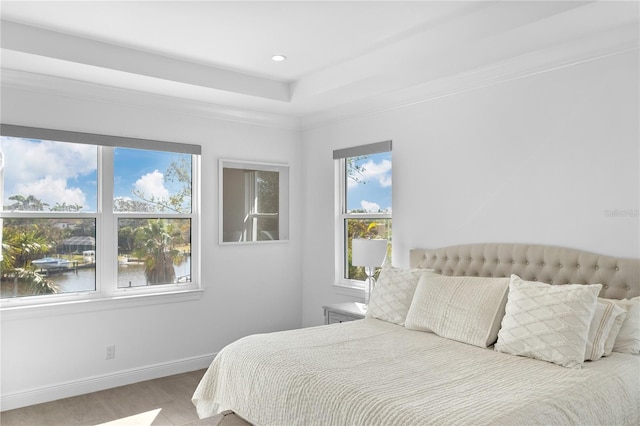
(465, 309)
(601, 327)
(548, 322)
(393, 293)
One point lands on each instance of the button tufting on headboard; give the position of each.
(619, 277)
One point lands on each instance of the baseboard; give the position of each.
(98, 383)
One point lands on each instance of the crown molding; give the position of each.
(592, 48)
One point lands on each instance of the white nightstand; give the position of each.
(342, 312)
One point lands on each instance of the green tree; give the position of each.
(22, 246)
(355, 171)
(158, 251)
(37, 284)
(180, 201)
(64, 207)
(126, 239)
(29, 203)
(19, 248)
(127, 205)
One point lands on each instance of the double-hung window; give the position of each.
(93, 216)
(363, 175)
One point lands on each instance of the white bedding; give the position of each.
(371, 372)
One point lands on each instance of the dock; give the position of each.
(57, 270)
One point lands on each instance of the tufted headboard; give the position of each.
(620, 277)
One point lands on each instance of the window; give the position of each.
(364, 207)
(90, 216)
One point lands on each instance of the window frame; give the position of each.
(249, 207)
(342, 284)
(107, 294)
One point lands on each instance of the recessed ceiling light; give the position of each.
(278, 58)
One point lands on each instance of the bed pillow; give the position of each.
(548, 322)
(628, 339)
(465, 309)
(601, 326)
(615, 328)
(392, 294)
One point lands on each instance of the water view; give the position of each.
(129, 275)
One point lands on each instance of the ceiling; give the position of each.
(342, 57)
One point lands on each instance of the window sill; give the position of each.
(17, 312)
(349, 290)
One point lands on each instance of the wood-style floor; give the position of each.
(164, 401)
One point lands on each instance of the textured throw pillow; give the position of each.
(615, 328)
(548, 322)
(628, 339)
(602, 322)
(465, 309)
(392, 294)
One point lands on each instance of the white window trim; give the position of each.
(342, 285)
(109, 296)
(76, 303)
(284, 204)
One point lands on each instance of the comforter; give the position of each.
(371, 372)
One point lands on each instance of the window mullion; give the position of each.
(341, 204)
(106, 228)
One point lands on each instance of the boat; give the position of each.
(51, 262)
(89, 256)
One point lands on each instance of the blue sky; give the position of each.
(144, 171)
(57, 172)
(372, 192)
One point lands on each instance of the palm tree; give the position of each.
(158, 252)
(37, 283)
(23, 246)
(30, 203)
(19, 248)
(64, 207)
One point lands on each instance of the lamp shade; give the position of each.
(369, 253)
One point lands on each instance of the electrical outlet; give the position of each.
(111, 352)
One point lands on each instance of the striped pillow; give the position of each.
(465, 309)
(603, 319)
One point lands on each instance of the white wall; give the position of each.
(248, 288)
(539, 159)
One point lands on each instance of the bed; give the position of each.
(470, 334)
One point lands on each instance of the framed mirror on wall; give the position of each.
(254, 202)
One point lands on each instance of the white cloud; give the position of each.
(52, 191)
(43, 168)
(57, 160)
(370, 207)
(385, 181)
(152, 184)
(374, 172)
